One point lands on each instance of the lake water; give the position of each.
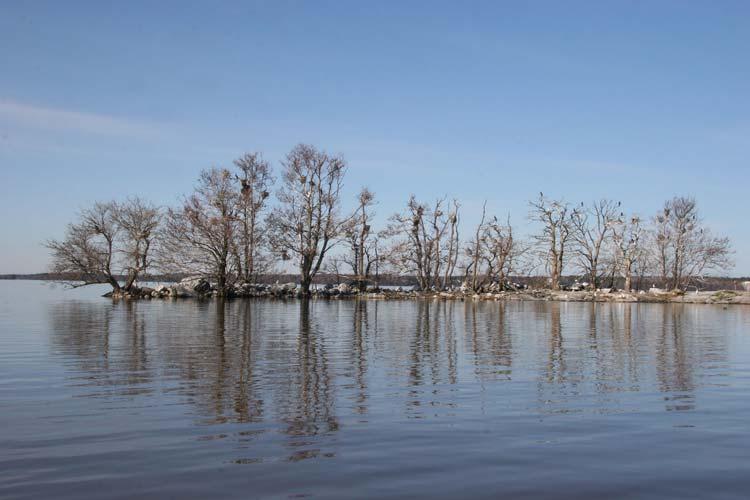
(351, 399)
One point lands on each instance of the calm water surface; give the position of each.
(353, 399)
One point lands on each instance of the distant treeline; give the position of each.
(230, 229)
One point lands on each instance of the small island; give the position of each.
(229, 236)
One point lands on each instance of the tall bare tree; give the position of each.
(492, 253)
(592, 228)
(361, 239)
(420, 246)
(685, 248)
(255, 180)
(198, 236)
(555, 236)
(138, 221)
(628, 237)
(109, 239)
(307, 220)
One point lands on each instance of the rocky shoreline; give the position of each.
(201, 289)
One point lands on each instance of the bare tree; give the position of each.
(198, 237)
(419, 246)
(685, 249)
(554, 239)
(630, 249)
(453, 245)
(474, 251)
(138, 221)
(591, 230)
(108, 239)
(361, 240)
(307, 222)
(492, 253)
(255, 180)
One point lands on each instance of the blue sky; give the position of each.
(636, 101)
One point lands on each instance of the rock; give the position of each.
(190, 286)
(343, 288)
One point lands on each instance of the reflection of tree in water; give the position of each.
(137, 369)
(556, 360)
(108, 343)
(227, 365)
(82, 330)
(311, 401)
(358, 354)
(432, 357)
(617, 359)
(674, 356)
(490, 340)
(610, 349)
(248, 406)
(571, 345)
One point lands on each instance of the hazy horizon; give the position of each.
(634, 102)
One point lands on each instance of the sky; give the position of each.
(633, 101)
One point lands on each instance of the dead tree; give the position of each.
(685, 249)
(591, 231)
(107, 240)
(628, 239)
(453, 246)
(199, 236)
(255, 181)
(306, 222)
(555, 236)
(138, 221)
(420, 245)
(360, 240)
(491, 254)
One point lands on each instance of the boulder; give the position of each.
(197, 285)
(343, 288)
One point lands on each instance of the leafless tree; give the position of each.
(361, 240)
(198, 237)
(419, 242)
(255, 180)
(138, 221)
(592, 228)
(492, 253)
(453, 245)
(555, 237)
(108, 239)
(685, 248)
(307, 221)
(628, 237)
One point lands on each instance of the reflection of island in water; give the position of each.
(305, 369)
